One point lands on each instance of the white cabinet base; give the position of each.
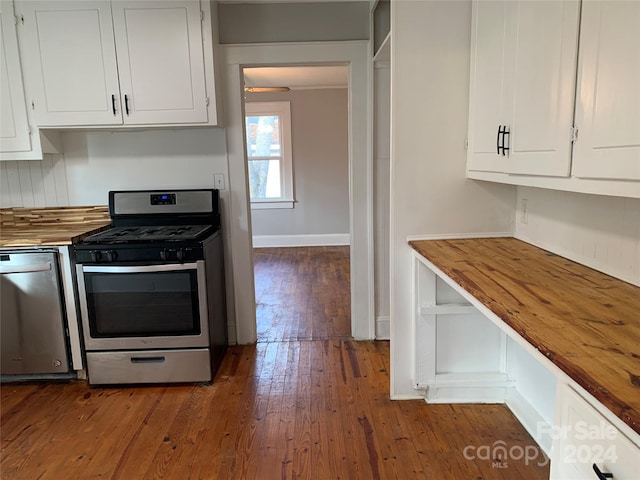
(583, 437)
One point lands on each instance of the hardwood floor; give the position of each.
(302, 293)
(303, 409)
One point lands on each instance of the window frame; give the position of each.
(282, 109)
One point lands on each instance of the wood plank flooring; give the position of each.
(286, 409)
(302, 293)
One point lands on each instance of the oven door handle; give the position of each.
(171, 267)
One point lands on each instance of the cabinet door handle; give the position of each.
(506, 140)
(113, 104)
(601, 475)
(126, 103)
(498, 139)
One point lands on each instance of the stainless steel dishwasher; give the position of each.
(32, 322)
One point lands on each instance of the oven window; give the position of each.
(142, 304)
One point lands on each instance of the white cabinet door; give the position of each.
(71, 62)
(160, 60)
(544, 68)
(583, 437)
(523, 81)
(608, 99)
(487, 94)
(14, 123)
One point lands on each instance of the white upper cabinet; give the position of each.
(160, 60)
(14, 124)
(544, 66)
(522, 79)
(112, 63)
(487, 109)
(70, 61)
(608, 97)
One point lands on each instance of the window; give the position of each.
(268, 129)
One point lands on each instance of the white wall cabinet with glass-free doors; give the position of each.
(522, 84)
(18, 139)
(608, 107)
(522, 128)
(118, 63)
(14, 126)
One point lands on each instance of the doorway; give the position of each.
(296, 130)
(355, 55)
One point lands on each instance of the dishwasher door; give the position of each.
(32, 329)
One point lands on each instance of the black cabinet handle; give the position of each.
(113, 103)
(498, 139)
(506, 140)
(147, 359)
(601, 476)
(126, 103)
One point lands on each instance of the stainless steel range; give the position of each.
(151, 289)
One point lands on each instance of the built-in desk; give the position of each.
(559, 324)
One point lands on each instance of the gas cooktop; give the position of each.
(156, 233)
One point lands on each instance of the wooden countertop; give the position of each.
(23, 227)
(587, 323)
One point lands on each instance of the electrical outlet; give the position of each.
(218, 181)
(524, 213)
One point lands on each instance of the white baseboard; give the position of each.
(320, 240)
(405, 396)
(469, 388)
(383, 328)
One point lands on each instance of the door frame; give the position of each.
(354, 54)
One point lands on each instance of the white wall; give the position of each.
(320, 144)
(598, 231)
(430, 53)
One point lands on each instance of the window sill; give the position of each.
(265, 205)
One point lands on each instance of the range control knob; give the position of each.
(180, 254)
(96, 256)
(111, 255)
(164, 254)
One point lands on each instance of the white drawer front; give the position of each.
(583, 437)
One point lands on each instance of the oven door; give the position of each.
(143, 307)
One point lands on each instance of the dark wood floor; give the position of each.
(304, 409)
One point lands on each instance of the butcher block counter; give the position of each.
(39, 227)
(585, 322)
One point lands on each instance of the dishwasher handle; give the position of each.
(41, 267)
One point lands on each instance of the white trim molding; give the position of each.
(319, 240)
(354, 54)
(383, 327)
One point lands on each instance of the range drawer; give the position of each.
(149, 366)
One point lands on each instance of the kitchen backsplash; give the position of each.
(34, 183)
(598, 231)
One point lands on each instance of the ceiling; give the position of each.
(298, 77)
